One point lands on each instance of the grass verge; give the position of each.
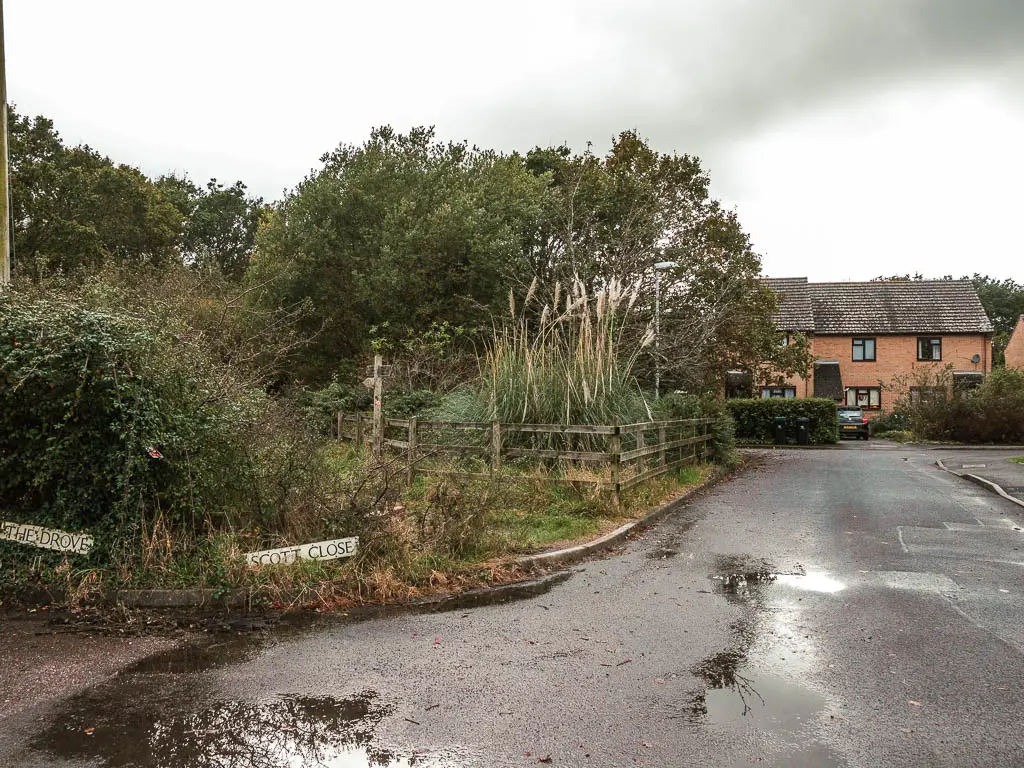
(439, 534)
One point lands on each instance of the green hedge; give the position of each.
(755, 418)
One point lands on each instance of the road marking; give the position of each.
(972, 466)
(899, 535)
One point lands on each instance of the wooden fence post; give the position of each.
(661, 441)
(411, 472)
(615, 449)
(495, 446)
(378, 409)
(359, 430)
(641, 443)
(340, 419)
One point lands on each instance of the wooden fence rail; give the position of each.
(614, 457)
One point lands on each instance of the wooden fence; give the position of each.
(612, 458)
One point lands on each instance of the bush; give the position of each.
(680, 405)
(88, 391)
(990, 413)
(568, 365)
(85, 396)
(890, 422)
(755, 418)
(321, 406)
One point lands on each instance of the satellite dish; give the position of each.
(976, 359)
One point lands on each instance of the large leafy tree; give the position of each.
(620, 215)
(220, 223)
(74, 209)
(396, 234)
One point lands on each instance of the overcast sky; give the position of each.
(853, 138)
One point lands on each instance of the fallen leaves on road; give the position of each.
(913, 703)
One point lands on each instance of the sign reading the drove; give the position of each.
(320, 550)
(46, 538)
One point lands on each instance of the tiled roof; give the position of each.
(913, 306)
(795, 312)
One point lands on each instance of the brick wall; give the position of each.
(1015, 349)
(896, 358)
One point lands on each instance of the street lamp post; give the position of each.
(657, 321)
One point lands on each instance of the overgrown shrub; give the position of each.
(755, 418)
(679, 405)
(896, 421)
(88, 399)
(990, 413)
(128, 426)
(321, 406)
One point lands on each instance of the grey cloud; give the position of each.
(695, 74)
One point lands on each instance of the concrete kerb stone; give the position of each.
(165, 598)
(977, 480)
(952, 447)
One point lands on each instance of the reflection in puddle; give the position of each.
(291, 732)
(812, 581)
(767, 701)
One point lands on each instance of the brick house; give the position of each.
(1015, 346)
(871, 340)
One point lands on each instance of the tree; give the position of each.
(618, 216)
(397, 233)
(73, 209)
(1003, 301)
(220, 223)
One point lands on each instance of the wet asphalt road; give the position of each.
(893, 638)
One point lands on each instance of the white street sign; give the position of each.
(320, 550)
(46, 538)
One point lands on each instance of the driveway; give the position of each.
(855, 607)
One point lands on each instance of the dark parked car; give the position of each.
(852, 422)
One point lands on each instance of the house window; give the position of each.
(780, 392)
(783, 340)
(963, 380)
(929, 348)
(863, 350)
(864, 397)
(927, 394)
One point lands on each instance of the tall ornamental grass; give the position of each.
(565, 362)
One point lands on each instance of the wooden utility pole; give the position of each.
(5, 194)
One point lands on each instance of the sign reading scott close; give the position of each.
(319, 550)
(46, 538)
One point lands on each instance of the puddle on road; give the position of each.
(812, 581)
(740, 698)
(291, 731)
(737, 695)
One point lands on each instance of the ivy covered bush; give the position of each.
(755, 418)
(140, 423)
(103, 429)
